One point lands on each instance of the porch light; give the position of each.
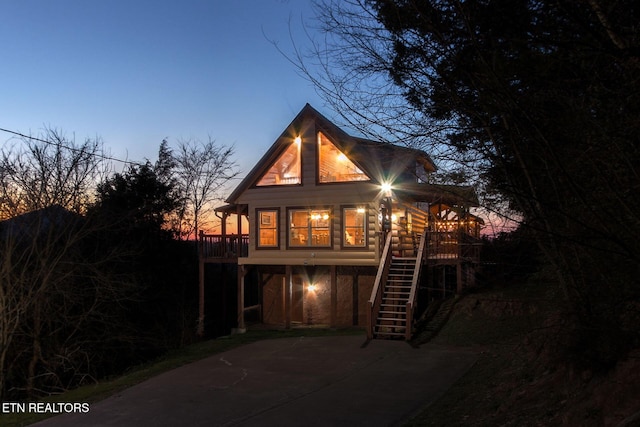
(311, 287)
(298, 141)
(386, 188)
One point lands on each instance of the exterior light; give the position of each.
(311, 287)
(360, 210)
(298, 141)
(386, 188)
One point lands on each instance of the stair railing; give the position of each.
(413, 294)
(378, 286)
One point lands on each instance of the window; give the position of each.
(309, 228)
(286, 169)
(267, 228)
(353, 227)
(333, 164)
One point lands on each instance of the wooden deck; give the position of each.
(217, 248)
(443, 246)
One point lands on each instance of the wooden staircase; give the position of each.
(391, 321)
(394, 294)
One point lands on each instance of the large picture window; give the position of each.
(334, 165)
(353, 227)
(309, 228)
(286, 170)
(267, 228)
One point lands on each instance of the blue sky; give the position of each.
(133, 72)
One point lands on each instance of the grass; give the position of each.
(95, 392)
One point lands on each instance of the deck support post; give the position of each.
(459, 281)
(356, 300)
(288, 287)
(334, 296)
(200, 327)
(241, 273)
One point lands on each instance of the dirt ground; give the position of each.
(516, 382)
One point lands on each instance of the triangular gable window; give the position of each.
(285, 170)
(334, 166)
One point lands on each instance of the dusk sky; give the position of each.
(133, 72)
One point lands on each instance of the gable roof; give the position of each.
(378, 160)
(453, 195)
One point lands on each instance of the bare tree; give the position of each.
(52, 286)
(535, 98)
(203, 169)
(36, 172)
(58, 297)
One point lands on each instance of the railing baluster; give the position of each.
(229, 246)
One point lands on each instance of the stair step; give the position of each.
(395, 334)
(390, 329)
(395, 319)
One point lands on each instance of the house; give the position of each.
(344, 231)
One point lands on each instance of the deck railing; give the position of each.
(378, 286)
(217, 246)
(453, 245)
(413, 293)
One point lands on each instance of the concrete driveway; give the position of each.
(319, 381)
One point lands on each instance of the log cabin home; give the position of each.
(343, 231)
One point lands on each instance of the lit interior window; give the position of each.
(267, 228)
(334, 165)
(353, 223)
(309, 227)
(286, 169)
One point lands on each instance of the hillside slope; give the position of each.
(520, 379)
